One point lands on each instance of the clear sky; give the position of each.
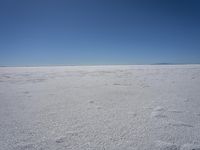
(90, 32)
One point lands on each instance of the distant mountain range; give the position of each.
(163, 64)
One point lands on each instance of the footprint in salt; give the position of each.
(66, 137)
(60, 140)
(91, 102)
(26, 92)
(158, 112)
(159, 108)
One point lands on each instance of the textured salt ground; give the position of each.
(100, 107)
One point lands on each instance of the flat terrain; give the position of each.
(144, 107)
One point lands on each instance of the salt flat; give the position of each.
(144, 107)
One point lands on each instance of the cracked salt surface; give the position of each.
(100, 107)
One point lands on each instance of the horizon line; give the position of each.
(161, 64)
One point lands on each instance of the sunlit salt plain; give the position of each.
(141, 107)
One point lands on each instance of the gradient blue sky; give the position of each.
(84, 32)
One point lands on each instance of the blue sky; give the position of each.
(95, 32)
